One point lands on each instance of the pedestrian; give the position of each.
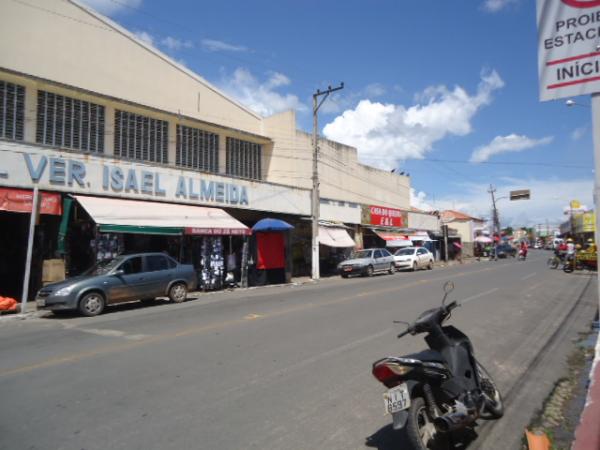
(458, 253)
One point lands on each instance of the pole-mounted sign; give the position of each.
(568, 48)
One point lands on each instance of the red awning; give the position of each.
(21, 200)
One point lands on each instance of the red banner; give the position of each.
(388, 217)
(19, 200)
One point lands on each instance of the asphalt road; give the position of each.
(282, 367)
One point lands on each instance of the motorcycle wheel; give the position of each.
(419, 428)
(568, 267)
(493, 406)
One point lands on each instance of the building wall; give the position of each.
(423, 221)
(71, 51)
(106, 59)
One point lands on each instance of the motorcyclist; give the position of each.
(570, 249)
(523, 250)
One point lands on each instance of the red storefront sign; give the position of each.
(20, 200)
(387, 217)
(219, 231)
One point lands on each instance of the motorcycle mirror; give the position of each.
(448, 287)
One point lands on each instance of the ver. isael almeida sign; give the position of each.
(568, 47)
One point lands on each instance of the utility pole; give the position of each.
(315, 178)
(495, 219)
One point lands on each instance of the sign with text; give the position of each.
(384, 216)
(568, 48)
(19, 200)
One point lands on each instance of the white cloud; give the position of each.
(176, 44)
(504, 144)
(578, 133)
(419, 200)
(213, 45)
(387, 133)
(262, 98)
(144, 36)
(548, 197)
(112, 7)
(496, 5)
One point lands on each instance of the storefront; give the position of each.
(384, 227)
(336, 245)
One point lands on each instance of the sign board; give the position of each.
(568, 48)
(522, 194)
(384, 216)
(19, 200)
(52, 170)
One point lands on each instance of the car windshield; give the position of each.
(361, 254)
(103, 267)
(405, 252)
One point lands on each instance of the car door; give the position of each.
(378, 258)
(422, 257)
(386, 258)
(130, 282)
(158, 273)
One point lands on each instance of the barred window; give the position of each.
(12, 110)
(197, 149)
(70, 123)
(244, 159)
(140, 137)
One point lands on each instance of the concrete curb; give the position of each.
(587, 435)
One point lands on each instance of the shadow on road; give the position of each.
(111, 309)
(388, 439)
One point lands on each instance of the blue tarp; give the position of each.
(271, 225)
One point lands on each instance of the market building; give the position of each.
(132, 151)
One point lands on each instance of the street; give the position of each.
(280, 367)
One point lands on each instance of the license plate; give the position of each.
(40, 303)
(347, 269)
(396, 399)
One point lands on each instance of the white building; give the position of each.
(88, 109)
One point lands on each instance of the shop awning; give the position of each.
(419, 237)
(140, 217)
(335, 237)
(393, 239)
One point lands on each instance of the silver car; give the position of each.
(142, 276)
(367, 262)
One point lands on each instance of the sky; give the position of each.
(444, 91)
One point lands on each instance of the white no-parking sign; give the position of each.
(568, 47)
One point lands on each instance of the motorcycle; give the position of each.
(581, 261)
(437, 391)
(522, 255)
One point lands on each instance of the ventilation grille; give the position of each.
(12, 110)
(140, 137)
(197, 149)
(70, 123)
(244, 159)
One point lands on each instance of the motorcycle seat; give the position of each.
(427, 356)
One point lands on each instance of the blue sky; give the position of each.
(428, 83)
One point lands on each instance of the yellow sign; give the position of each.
(585, 222)
(575, 204)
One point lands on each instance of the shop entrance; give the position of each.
(13, 241)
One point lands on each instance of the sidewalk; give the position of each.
(587, 435)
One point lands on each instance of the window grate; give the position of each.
(197, 149)
(69, 123)
(140, 137)
(12, 110)
(244, 159)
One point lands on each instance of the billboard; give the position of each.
(568, 48)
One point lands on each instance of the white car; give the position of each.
(413, 258)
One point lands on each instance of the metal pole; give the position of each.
(596, 133)
(32, 220)
(315, 198)
(315, 193)
(245, 263)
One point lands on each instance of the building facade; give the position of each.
(87, 109)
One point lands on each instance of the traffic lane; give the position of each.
(83, 336)
(253, 354)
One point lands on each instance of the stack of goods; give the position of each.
(8, 304)
(213, 264)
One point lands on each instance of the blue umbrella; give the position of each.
(271, 225)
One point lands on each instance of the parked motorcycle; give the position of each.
(437, 391)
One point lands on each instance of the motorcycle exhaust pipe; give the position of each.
(452, 421)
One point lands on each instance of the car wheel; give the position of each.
(91, 304)
(392, 269)
(370, 271)
(414, 267)
(430, 265)
(344, 275)
(178, 292)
